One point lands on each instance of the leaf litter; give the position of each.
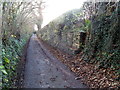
(89, 74)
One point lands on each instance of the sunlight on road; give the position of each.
(55, 8)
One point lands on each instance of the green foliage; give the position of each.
(11, 55)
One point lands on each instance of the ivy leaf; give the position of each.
(1, 67)
(6, 60)
(4, 71)
(6, 80)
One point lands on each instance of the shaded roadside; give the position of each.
(21, 66)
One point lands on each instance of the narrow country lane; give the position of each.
(42, 70)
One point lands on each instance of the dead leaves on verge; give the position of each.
(89, 74)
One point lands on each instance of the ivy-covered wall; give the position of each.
(103, 42)
(63, 32)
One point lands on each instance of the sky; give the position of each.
(55, 8)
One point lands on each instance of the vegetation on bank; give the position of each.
(11, 55)
(102, 45)
(64, 31)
